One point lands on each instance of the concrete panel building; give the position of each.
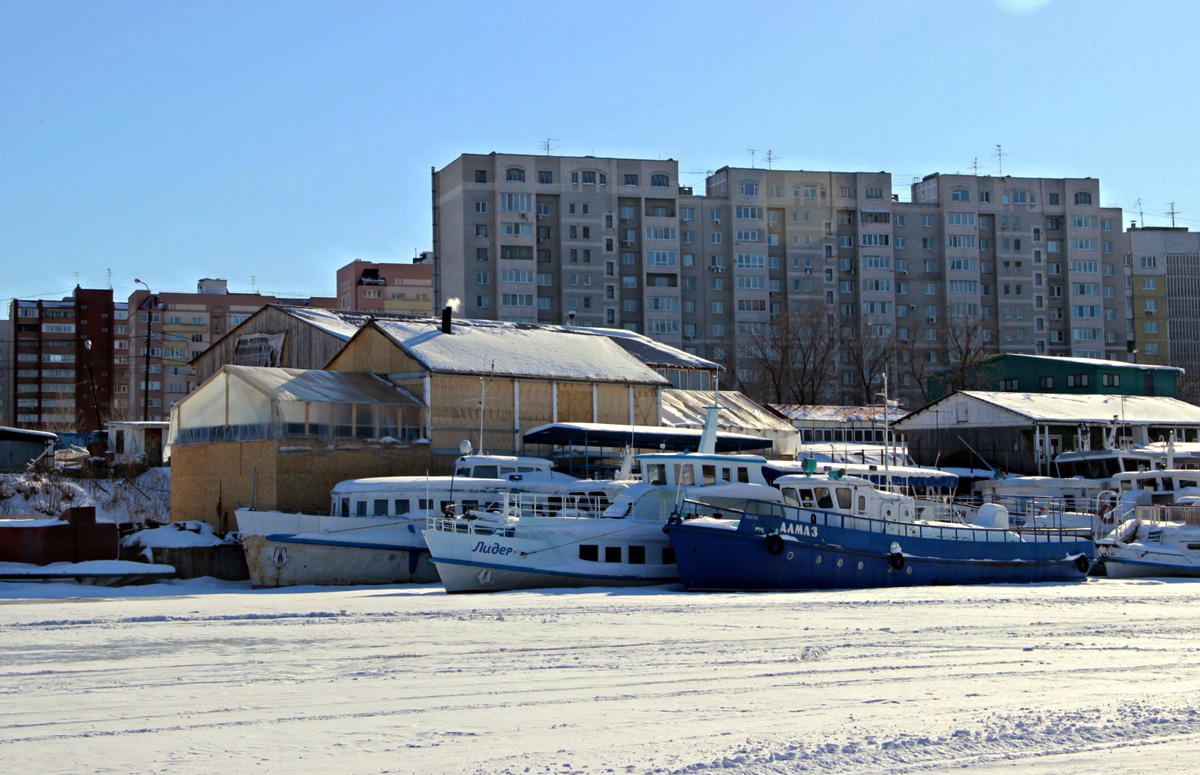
(1164, 268)
(400, 288)
(1029, 265)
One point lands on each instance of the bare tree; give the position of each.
(967, 350)
(869, 350)
(788, 358)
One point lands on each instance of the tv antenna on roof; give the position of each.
(999, 154)
(751, 151)
(975, 165)
(253, 286)
(1141, 215)
(1173, 213)
(545, 144)
(770, 157)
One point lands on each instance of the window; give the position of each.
(481, 176)
(749, 189)
(715, 238)
(545, 176)
(1009, 385)
(927, 221)
(515, 175)
(1052, 199)
(1083, 198)
(481, 230)
(481, 254)
(659, 181)
(687, 213)
(631, 181)
(589, 178)
(874, 192)
(481, 207)
(960, 195)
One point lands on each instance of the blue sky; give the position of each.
(172, 141)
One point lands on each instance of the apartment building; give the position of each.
(1164, 274)
(403, 288)
(556, 239)
(6, 372)
(1029, 265)
(63, 374)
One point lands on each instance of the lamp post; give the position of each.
(146, 376)
(87, 345)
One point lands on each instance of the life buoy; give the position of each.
(897, 561)
(1106, 514)
(774, 545)
(1083, 563)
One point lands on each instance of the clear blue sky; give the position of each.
(171, 141)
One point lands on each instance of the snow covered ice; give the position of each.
(205, 676)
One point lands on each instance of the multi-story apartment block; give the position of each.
(6, 372)
(1164, 275)
(970, 263)
(560, 239)
(403, 288)
(63, 360)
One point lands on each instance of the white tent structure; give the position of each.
(738, 414)
(246, 403)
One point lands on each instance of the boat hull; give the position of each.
(284, 560)
(812, 556)
(546, 553)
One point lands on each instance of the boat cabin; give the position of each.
(837, 493)
(689, 469)
(499, 466)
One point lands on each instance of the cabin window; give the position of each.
(402, 506)
(425, 504)
(724, 474)
(637, 555)
(361, 508)
(843, 496)
(656, 473)
(743, 474)
(668, 555)
(1186, 483)
(806, 497)
(463, 471)
(684, 474)
(486, 472)
(380, 507)
(824, 499)
(789, 497)
(862, 504)
(710, 474)
(345, 512)
(589, 552)
(612, 554)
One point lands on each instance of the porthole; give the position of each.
(790, 555)
(818, 559)
(860, 565)
(908, 570)
(839, 563)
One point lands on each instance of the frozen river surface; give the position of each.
(202, 678)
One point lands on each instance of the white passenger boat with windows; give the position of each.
(373, 532)
(512, 548)
(1155, 524)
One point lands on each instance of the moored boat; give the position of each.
(834, 532)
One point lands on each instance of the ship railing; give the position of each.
(758, 510)
(281, 509)
(1186, 515)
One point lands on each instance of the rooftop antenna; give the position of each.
(975, 164)
(253, 284)
(1173, 213)
(1141, 215)
(110, 279)
(545, 144)
(751, 151)
(999, 154)
(76, 278)
(770, 157)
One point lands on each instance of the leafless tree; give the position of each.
(789, 358)
(967, 350)
(868, 351)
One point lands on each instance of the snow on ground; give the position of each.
(204, 676)
(137, 500)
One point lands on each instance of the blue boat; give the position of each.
(833, 532)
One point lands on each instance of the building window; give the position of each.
(1083, 198)
(1009, 385)
(589, 178)
(874, 192)
(515, 175)
(1046, 383)
(481, 176)
(659, 181)
(749, 189)
(481, 254)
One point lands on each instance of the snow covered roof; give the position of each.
(649, 351)
(639, 436)
(311, 386)
(839, 414)
(21, 434)
(1091, 361)
(1075, 408)
(688, 408)
(486, 346)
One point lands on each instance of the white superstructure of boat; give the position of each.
(510, 549)
(1156, 525)
(373, 533)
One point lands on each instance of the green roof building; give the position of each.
(1017, 373)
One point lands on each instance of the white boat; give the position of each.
(623, 546)
(1157, 526)
(373, 533)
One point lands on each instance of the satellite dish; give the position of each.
(464, 446)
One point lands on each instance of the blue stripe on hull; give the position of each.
(710, 560)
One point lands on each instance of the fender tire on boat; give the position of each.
(897, 561)
(774, 545)
(1083, 563)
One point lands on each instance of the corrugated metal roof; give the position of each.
(825, 413)
(1083, 407)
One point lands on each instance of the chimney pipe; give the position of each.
(446, 320)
